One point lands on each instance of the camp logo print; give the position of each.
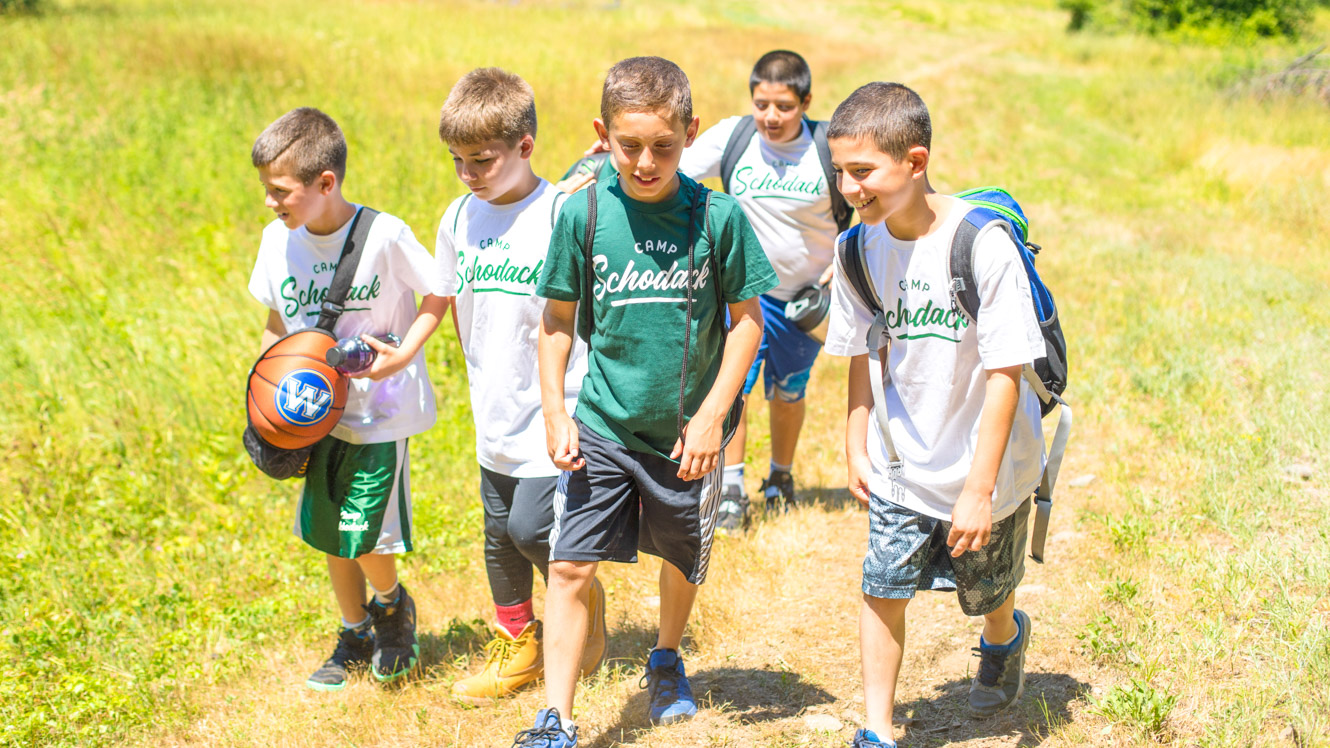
(304, 397)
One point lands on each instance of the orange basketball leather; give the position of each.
(294, 397)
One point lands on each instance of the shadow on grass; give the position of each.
(944, 718)
(745, 695)
(456, 643)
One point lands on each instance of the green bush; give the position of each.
(20, 6)
(1197, 18)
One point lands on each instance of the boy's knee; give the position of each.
(571, 573)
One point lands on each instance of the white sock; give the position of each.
(386, 596)
(733, 476)
(567, 725)
(780, 468)
(349, 625)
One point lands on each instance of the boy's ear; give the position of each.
(918, 157)
(327, 181)
(602, 132)
(807, 102)
(526, 146)
(691, 131)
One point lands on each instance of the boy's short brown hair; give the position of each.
(307, 141)
(889, 114)
(646, 84)
(488, 104)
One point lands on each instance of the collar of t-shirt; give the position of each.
(484, 208)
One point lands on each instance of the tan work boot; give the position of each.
(510, 663)
(593, 651)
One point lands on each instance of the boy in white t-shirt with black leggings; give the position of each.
(777, 175)
(952, 513)
(490, 250)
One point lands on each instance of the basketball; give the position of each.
(294, 397)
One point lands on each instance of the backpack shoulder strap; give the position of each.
(734, 148)
(962, 284)
(460, 207)
(556, 205)
(588, 239)
(352, 249)
(840, 209)
(850, 252)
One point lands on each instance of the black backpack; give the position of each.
(744, 133)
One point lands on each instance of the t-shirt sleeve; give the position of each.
(561, 277)
(701, 160)
(412, 264)
(1008, 333)
(745, 270)
(848, 318)
(445, 252)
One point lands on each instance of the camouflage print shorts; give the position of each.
(907, 552)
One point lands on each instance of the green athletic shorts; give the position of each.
(357, 499)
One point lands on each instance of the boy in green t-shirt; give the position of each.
(663, 258)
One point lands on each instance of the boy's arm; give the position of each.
(390, 359)
(972, 519)
(699, 449)
(857, 414)
(554, 344)
(272, 331)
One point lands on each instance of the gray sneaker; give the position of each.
(732, 516)
(1001, 677)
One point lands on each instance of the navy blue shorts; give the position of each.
(785, 357)
(907, 552)
(622, 502)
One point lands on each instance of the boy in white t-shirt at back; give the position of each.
(953, 514)
(490, 250)
(356, 502)
(779, 179)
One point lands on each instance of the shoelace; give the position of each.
(991, 665)
(344, 652)
(667, 681)
(538, 737)
(499, 651)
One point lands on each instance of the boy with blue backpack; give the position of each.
(946, 447)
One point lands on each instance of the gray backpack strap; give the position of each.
(840, 209)
(588, 287)
(964, 291)
(735, 147)
(849, 251)
(556, 205)
(335, 300)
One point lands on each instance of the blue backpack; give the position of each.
(991, 207)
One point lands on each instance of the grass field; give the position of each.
(151, 593)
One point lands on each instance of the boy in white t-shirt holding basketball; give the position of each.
(490, 250)
(356, 502)
(772, 164)
(951, 513)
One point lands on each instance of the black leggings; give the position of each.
(519, 513)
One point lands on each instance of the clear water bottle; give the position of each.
(352, 355)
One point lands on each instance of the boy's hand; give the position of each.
(971, 522)
(389, 361)
(561, 442)
(860, 468)
(827, 274)
(699, 450)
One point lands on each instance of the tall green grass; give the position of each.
(142, 558)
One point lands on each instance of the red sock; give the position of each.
(514, 618)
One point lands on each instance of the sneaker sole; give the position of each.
(390, 677)
(470, 700)
(675, 718)
(325, 687)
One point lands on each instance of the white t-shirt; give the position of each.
(937, 362)
(292, 275)
(490, 258)
(783, 190)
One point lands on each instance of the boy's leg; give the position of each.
(787, 420)
(790, 357)
(677, 595)
(881, 650)
(348, 583)
(734, 504)
(506, 565)
(1000, 625)
(566, 603)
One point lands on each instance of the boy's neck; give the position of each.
(333, 217)
(521, 191)
(924, 214)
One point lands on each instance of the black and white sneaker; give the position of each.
(396, 650)
(778, 490)
(732, 517)
(353, 652)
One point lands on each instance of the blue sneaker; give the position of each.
(1001, 677)
(869, 739)
(547, 732)
(667, 688)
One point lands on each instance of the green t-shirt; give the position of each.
(631, 390)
